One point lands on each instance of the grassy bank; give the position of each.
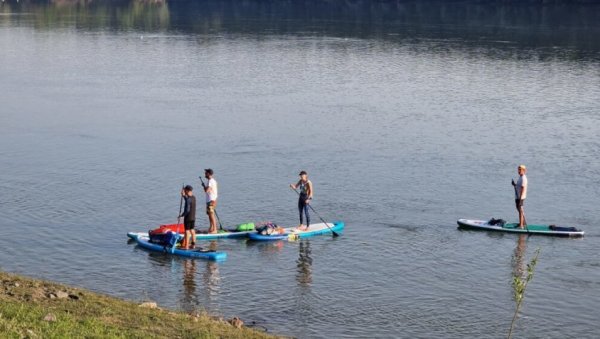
(39, 309)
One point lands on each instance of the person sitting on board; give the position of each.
(212, 193)
(521, 193)
(306, 195)
(189, 217)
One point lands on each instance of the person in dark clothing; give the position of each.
(189, 217)
(306, 194)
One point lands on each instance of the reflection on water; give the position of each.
(304, 262)
(188, 301)
(511, 28)
(211, 280)
(304, 309)
(518, 260)
(196, 292)
(85, 14)
(267, 247)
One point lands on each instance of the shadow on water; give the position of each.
(566, 29)
(403, 227)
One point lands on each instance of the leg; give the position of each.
(522, 221)
(211, 217)
(523, 212)
(213, 222)
(184, 244)
(307, 215)
(193, 234)
(210, 210)
(300, 208)
(518, 206)
(520, 218)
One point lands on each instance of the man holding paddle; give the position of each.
(521, 193)
(189, 217)
(212, 193)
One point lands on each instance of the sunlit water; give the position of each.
(403, 126)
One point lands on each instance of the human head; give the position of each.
(303, 175)
(188, 190)
(208, 173)
(522, 169)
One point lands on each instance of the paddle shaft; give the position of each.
(180, 207)
(312, 209)
(214, 210)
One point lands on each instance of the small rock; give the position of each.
(52, 296)
(50, 317)
(31, 333)
(62, 295)
(149, 304)
(236, 322)
(17, 284)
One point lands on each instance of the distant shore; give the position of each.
(31, 308)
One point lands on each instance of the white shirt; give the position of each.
(213, 194)
(522, 184)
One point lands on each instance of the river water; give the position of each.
(407, 115)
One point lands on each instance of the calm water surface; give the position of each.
(407, 115)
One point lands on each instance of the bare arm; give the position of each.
(294, 186)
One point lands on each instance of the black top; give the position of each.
(189, 213)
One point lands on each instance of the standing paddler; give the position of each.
(189, 217)
(212, 193)
(306, 194)
(521, 193)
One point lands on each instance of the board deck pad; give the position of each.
(292, 233)
(541, 229)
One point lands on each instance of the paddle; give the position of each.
(335, 234)
(517, 197)
(180, 207)
(179, 220)
(214, 210)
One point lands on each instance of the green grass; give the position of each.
(24, 303)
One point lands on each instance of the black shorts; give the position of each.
(519, 203)
(189, 224)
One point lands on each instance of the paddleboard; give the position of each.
(291, 233)
(202, 236)
(553, 230)
(144, 242)
(241, 231)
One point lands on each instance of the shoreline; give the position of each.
(34, 308)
